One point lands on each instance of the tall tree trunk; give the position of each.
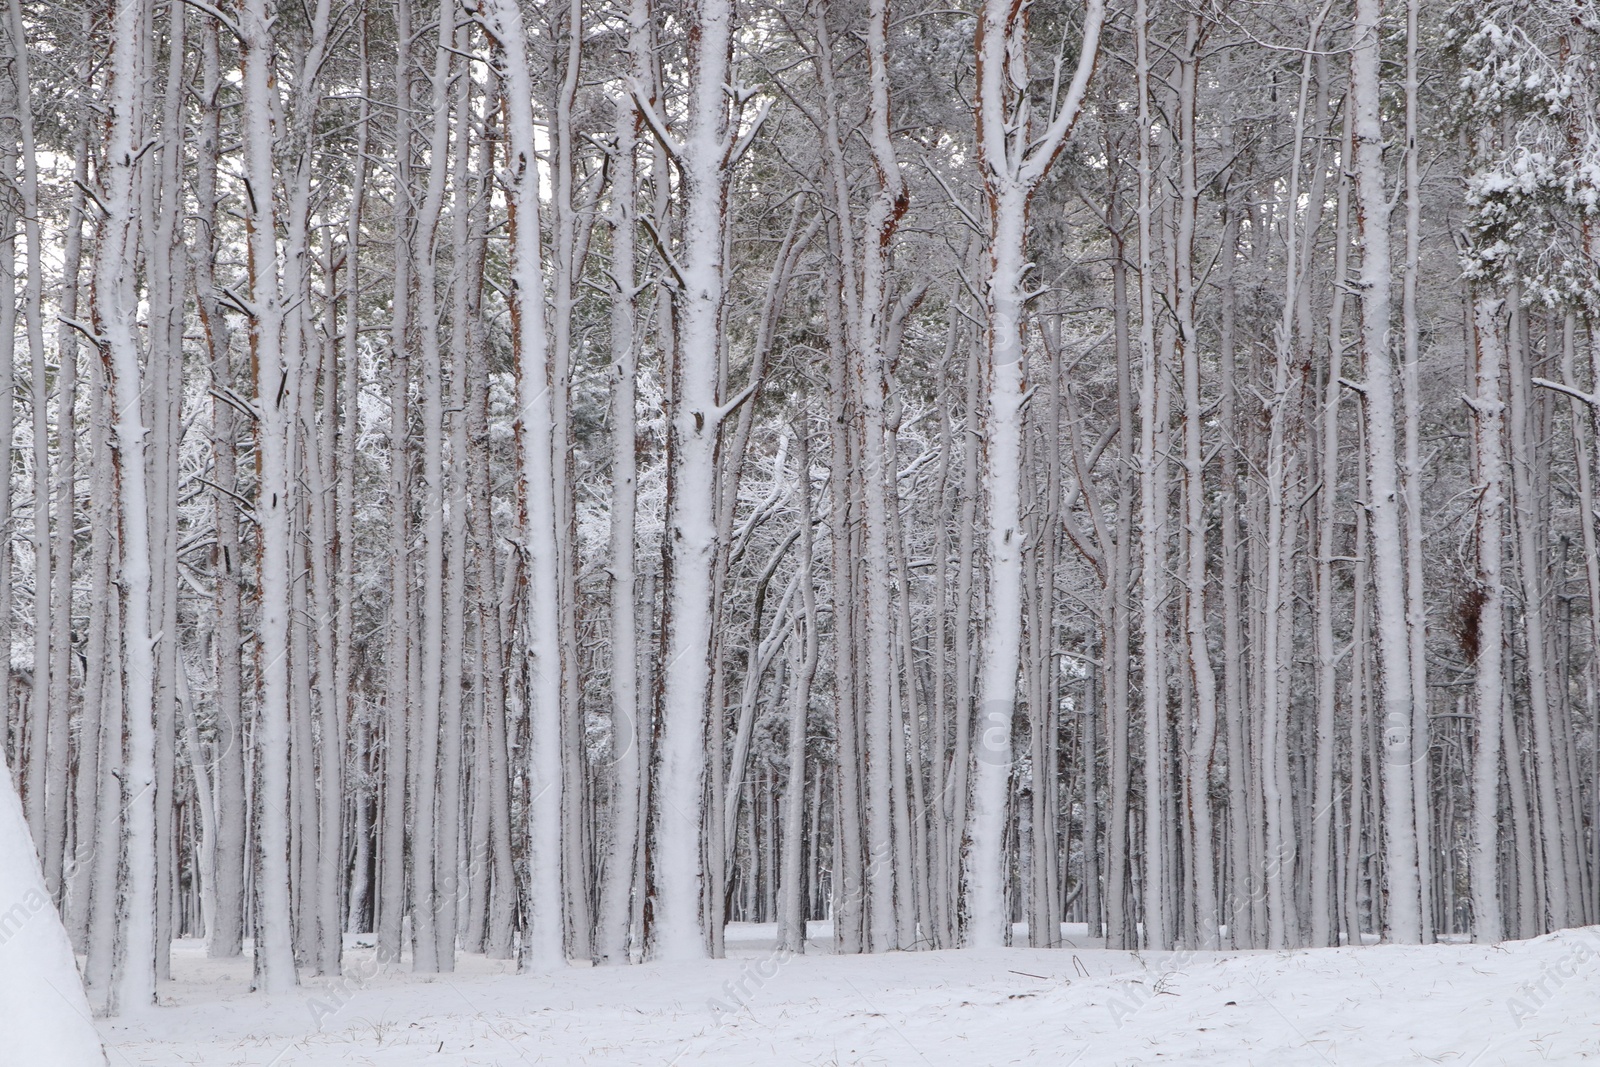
(1014, 160)
(164, 267)
(1404, 912)
(46, 796)
(1411, 485)
(612, 943)
(226, 936)
(432, 898)
(277, 378)
(1488, 608)
(536, 476)
(103, 694)
(804, 651)
(117, 307)
(1325, 917)
(848, 921)
(463, 302)
(1198, 800)
(1527, 526)
(571, 215)
(1116, 596)
(397, 658)
(1153, 406)
(705, 159)
(85, 778)
(345, 700)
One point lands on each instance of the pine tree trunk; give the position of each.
(1012, 167)
(1153, 406)
(1325, 885)
(569, 243)
(277, 381)
(47, 796)
(345, 700)
(1488, 636)
(612, 940)
(1117, 610)
(1410, 389)
(544, 932)
(848, 888)
(805, 649)
(226, 937)
(1404, 912)
(165, 265)
(102, 699)
(1201, 674)
(134, 980)
(1526, 525)
(85, 778)
(397, 769)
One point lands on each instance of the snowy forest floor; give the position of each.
(1519, 1003)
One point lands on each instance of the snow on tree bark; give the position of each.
(1404, 912)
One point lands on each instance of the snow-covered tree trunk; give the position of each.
(710, 147)
(319, 439)
(848, 917)
(1241, 874)
(9, 745)
(1412, 474)
(345, 502)
(916, 909)
(205, 865)
(1153, 412)
(277, 384)
(1549, 789)
(544, 933)
(427, 872)
(85, 779)
(570, 220)
(165, 268)
(475, 864)
(1359, 703)
(1325, 918)
(392, 820)
(47, 758)
(1002, 637)
(117, 308)
(1117, 608)
(1404, 912)
(1014, 159)
(865, 298)
(1489, 606)
(455, 862)
(941, 860)
(1202, 677)
(1584, 437)
(612, 942)
(102, 698)
(966, 537)
(225, 937)
(804, 650)
(1042, 664)
(65, 494)
(1277, 622)
(492, 755)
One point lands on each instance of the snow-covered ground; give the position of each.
(1525, 1002)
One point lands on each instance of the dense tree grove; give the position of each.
(550, 480)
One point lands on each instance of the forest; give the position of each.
(549, 481)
